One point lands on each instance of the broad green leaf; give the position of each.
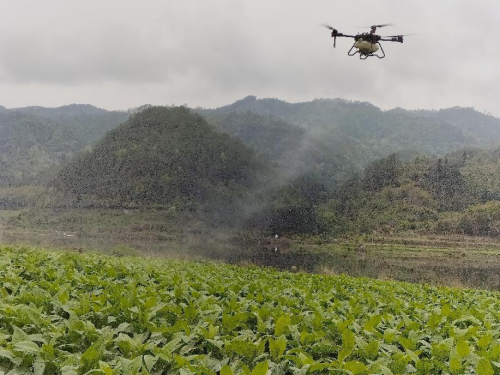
(277, 347)
(261, 368)
(485, 341)
(303, 336)
(39, 367)
(64, 296)
(484, 367)
(27, 347)
(68, 370)
(355, 367)
(19, 335)
(446, 310)
(371, 350)
(413, 356)
(348, 342)
(281, 325)
(463, 349)
(226, 370)
(375, 320)
(10, 356)
(390, 335)
(150, 361)
(131, 367)
(305, 359)
(406, 343)
(455, 362)
(150, 302)
(104, 367)
(93, 354)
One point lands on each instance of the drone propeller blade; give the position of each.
(327, 26)
(383, 25)
(334, 33)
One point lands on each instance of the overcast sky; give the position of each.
(118, 54)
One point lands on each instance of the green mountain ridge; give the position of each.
(349, 134)
(163, 157)
(333, 137)
(35, 141)
(278, 165)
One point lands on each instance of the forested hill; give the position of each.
(332, 138)
(485, 129)
(34, 141)
(458, 194)
(163, 157)
(361, 132)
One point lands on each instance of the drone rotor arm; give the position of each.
(342, 36)
(392, 39)
(377, 26)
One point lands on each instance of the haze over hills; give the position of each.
(377, 133)
(310, 148)
(330, 137)
(286, 179)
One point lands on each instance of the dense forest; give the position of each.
(163, 157)
(458, 194)
(34, 141)
(322, 167)
(337, 138)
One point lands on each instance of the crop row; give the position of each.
(67, 313)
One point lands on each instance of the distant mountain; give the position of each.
(58, 112)
(361, 132)
(484, 129)
(335, 138)
(34, 141)
(163, 157)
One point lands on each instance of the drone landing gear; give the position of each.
(364, 56)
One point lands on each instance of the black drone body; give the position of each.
(366, 44)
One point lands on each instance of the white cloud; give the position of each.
(117, 54)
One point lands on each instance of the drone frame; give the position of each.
(370, 37)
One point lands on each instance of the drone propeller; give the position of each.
(327, 26)
(377, 26)
(334, 33)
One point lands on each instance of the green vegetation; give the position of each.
(34, 141)
(362, 133)
(296, 175)
(66, 313)
(163, 158)
(289, 178)
(455, 195)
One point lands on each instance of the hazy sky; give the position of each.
(118, 54)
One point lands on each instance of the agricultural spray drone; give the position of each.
(366, 44)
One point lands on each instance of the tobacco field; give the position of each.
(69, 313)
